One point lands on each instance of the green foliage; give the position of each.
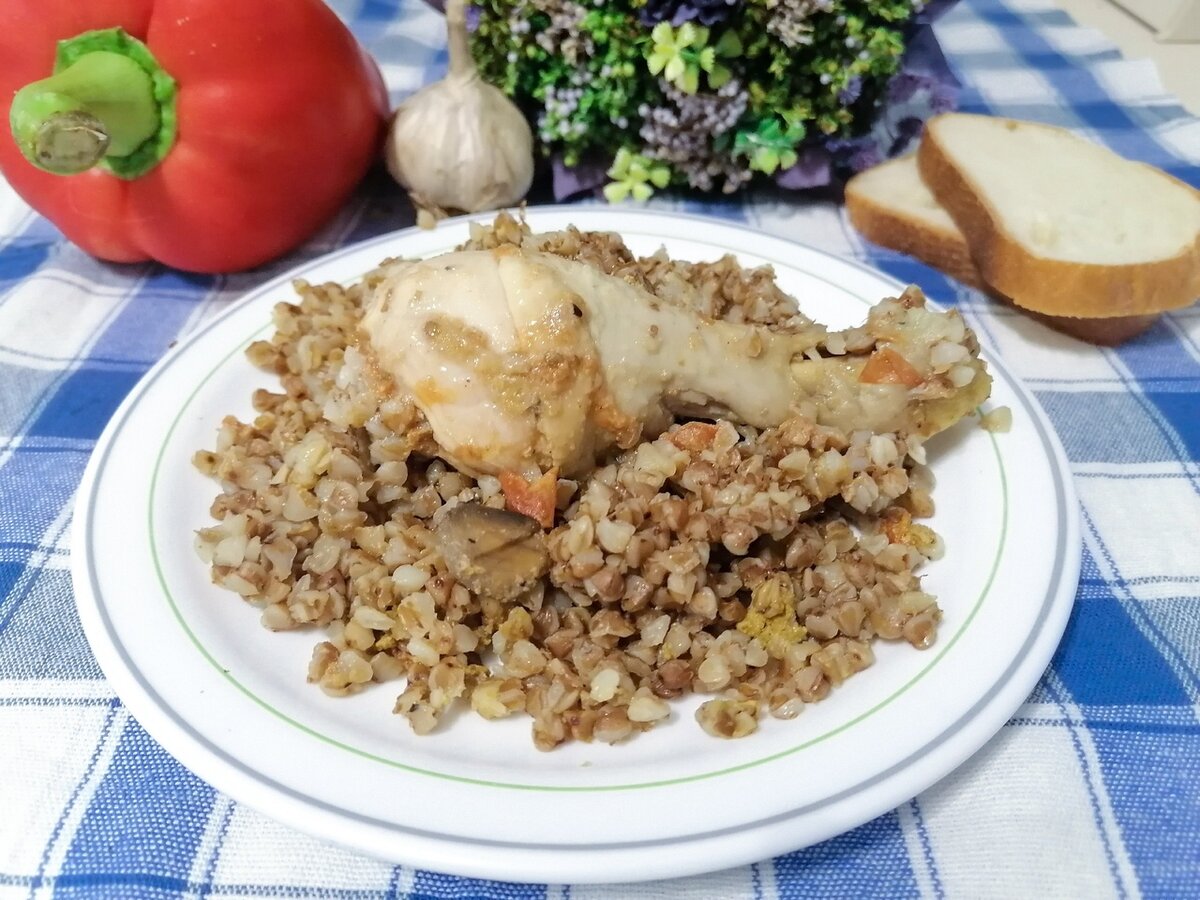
(682, 53)
(771, 143)
(635, 176)
(823, 80)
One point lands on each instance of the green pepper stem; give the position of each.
(102, 105)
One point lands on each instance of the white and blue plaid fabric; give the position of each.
(1092, 790)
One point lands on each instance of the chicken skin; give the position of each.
(522, 360)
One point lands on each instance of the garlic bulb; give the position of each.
(460, 143)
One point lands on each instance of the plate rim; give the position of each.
(942, 649)
(1051, 618)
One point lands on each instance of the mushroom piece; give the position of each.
(492, 552)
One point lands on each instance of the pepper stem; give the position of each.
(462, 63)
(101, 105)
(68, 141)
(108, 104)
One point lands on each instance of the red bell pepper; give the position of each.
(210, 135)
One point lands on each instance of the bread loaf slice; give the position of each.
(890, 205)
(1061, 225)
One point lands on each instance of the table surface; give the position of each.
(1091, 790)
(1178, 63)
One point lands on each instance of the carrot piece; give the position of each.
(694, 436)
(897, 524)
(535, 499)
(886, 366)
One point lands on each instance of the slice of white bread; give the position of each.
(891, 205)
(1061, 225)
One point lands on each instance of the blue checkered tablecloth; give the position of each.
(1091, 790)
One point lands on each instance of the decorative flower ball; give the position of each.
(641, 95)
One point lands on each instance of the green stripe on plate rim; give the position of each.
(333, 742)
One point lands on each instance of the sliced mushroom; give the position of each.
(493, 552)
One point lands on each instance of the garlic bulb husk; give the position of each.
(460, 143)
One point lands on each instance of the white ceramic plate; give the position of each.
(230, 701)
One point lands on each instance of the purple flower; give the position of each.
(927, 92)
(706, 12)
(856, 153)
(903, 87)
(814, 168)
(866, 158)
(924, 87)
(851, 92)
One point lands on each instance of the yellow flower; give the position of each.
(634, 176)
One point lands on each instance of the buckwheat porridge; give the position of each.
(542, 476)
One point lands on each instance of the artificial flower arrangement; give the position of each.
(641, 95)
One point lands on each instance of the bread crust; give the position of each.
(944, 250)
(947, 251)
(1107, 332)
(1051, 286)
